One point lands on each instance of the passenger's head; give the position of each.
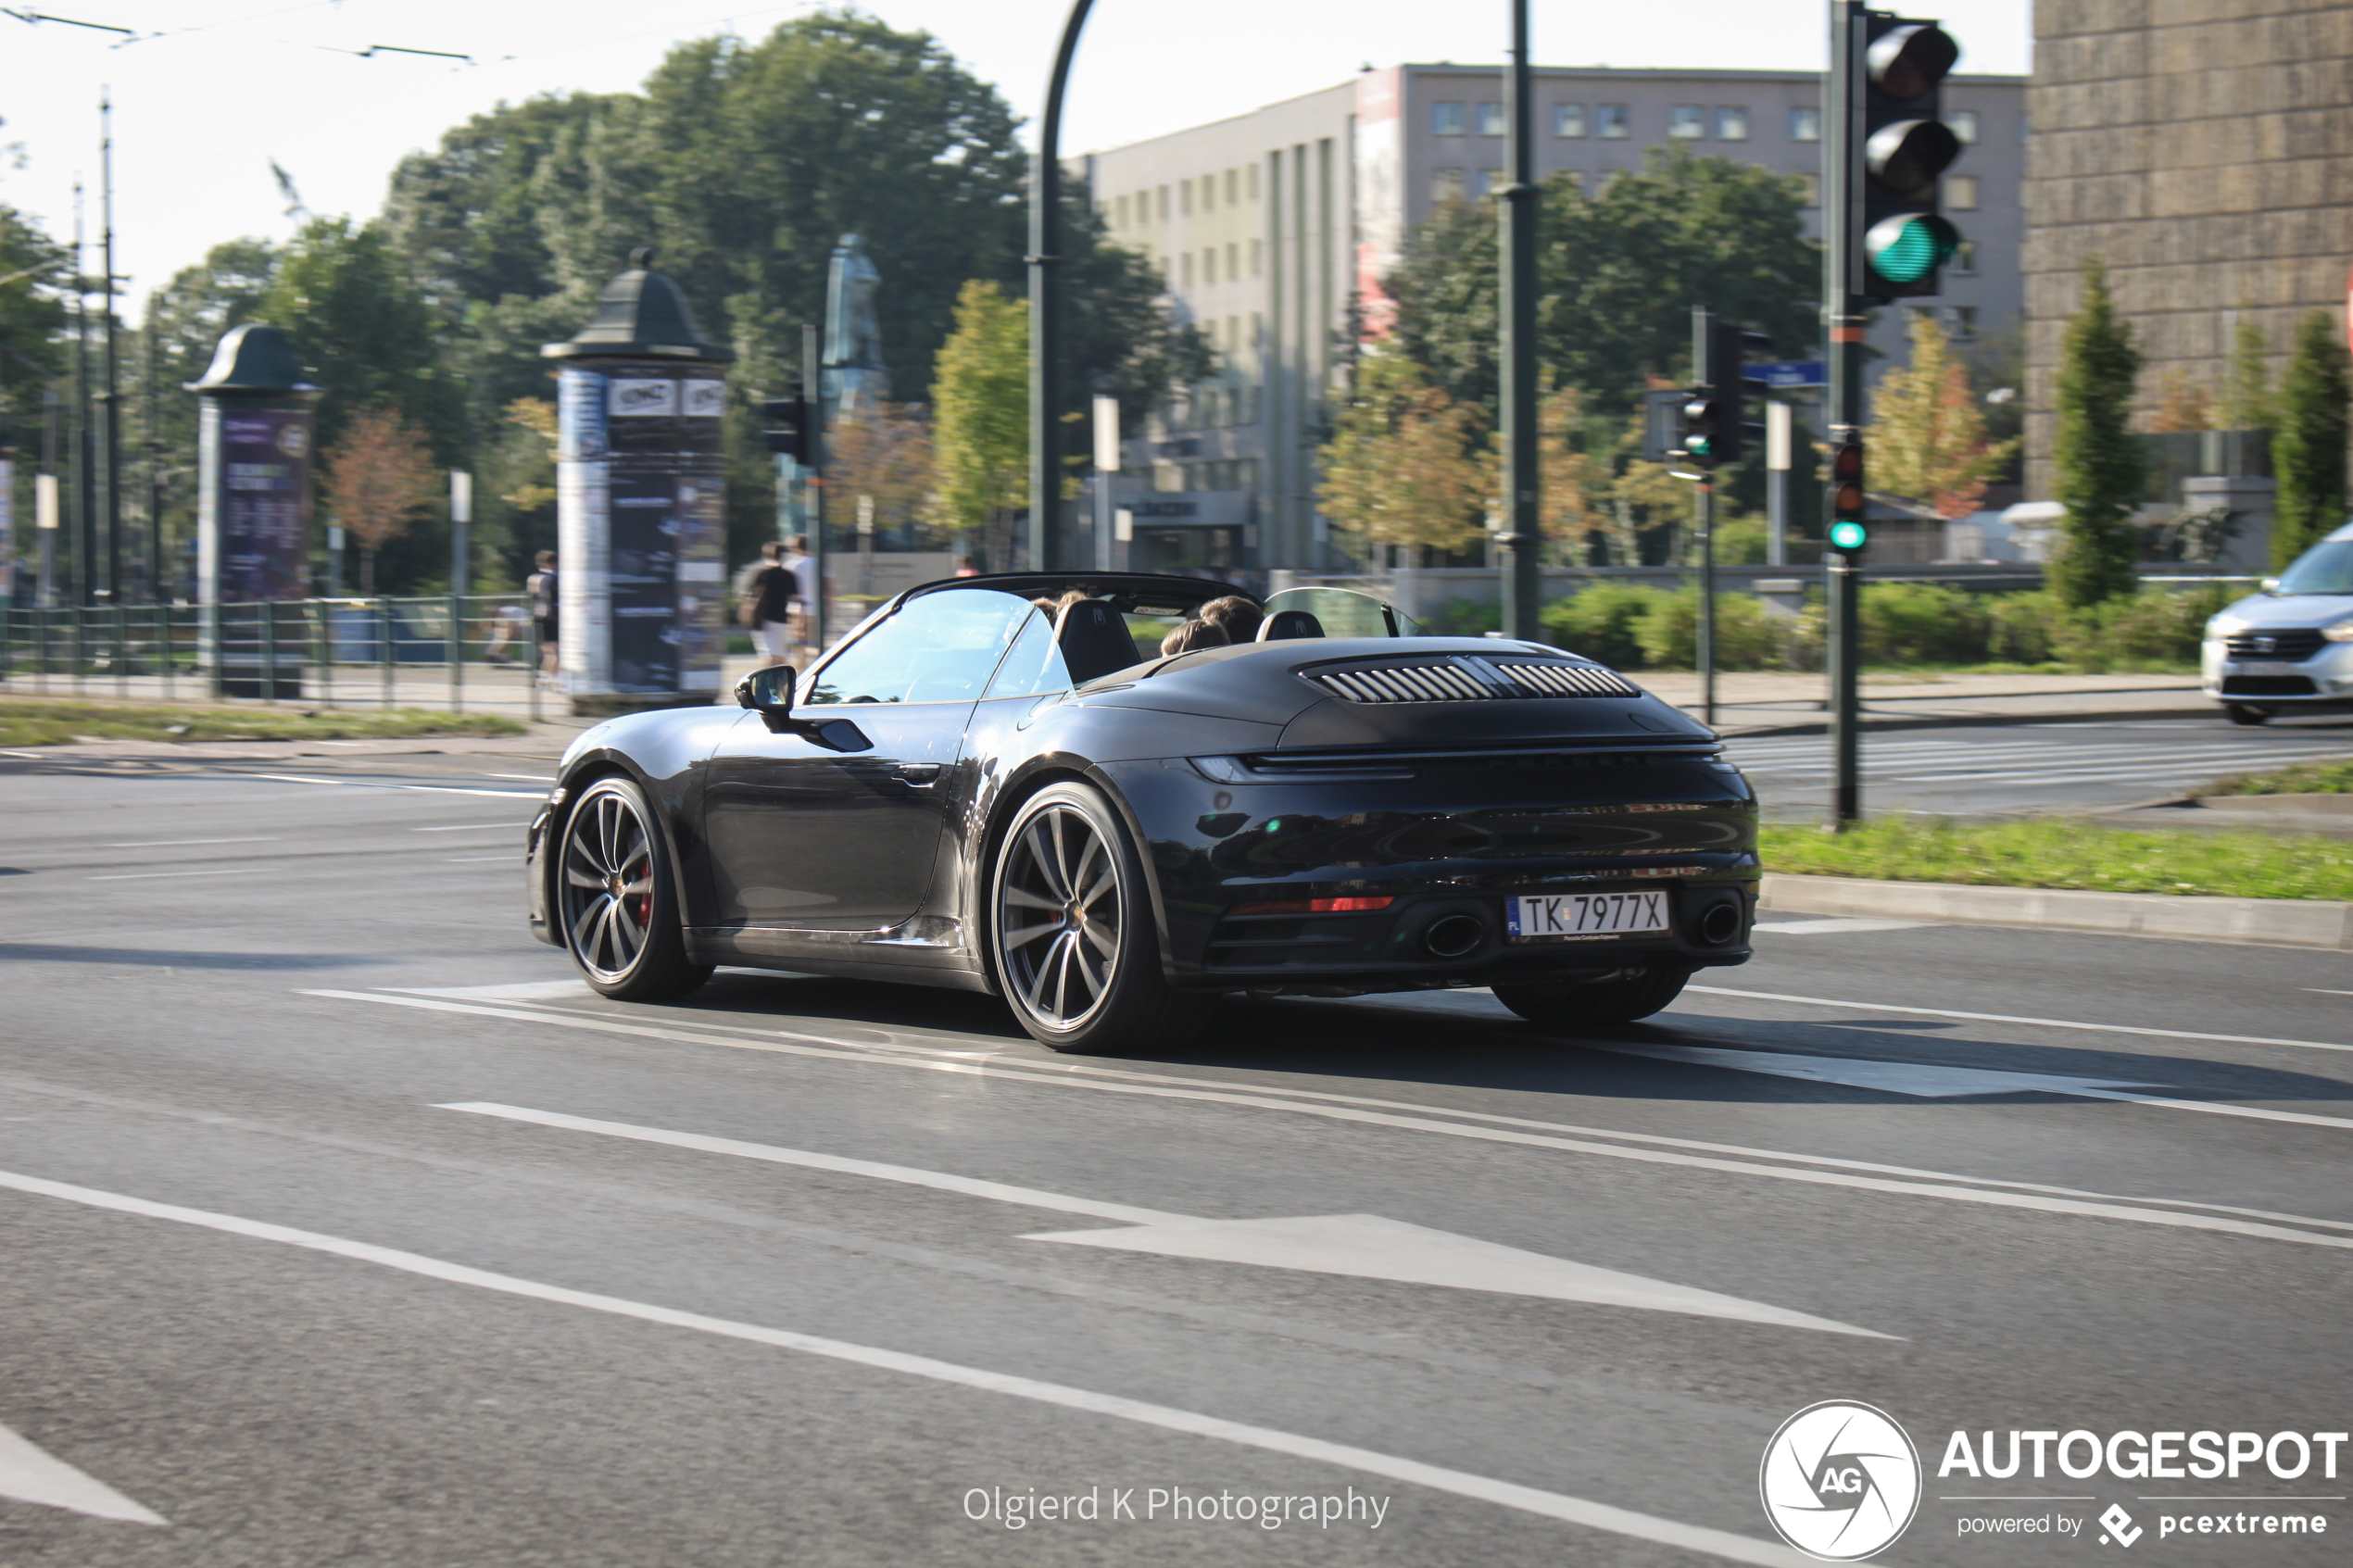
(1191, 635)
(1055, 607)
(1235, 616)
(772, 551)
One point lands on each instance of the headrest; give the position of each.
(1288, 623)
(1094, 641)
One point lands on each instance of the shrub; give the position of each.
(1464, 618)
(2023, 628)
(1747, 638)
(1922, 623)
(1603, 622)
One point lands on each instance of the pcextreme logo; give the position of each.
(1839, 1481)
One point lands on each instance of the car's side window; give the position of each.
(1034, 666)
(940, 648)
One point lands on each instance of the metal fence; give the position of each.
(477, 653)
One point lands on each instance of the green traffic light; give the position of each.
(1848, 535)
(1907, 247)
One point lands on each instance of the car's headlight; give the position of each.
(2223, 626)
(2342, 631)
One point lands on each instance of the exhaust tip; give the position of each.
(1720, 924)
(1455, 936)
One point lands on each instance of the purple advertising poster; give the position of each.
(264, 505)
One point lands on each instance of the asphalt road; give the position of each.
(1964, 768)
(337, 1224)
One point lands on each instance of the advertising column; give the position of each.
(641, 521)
(253, 512)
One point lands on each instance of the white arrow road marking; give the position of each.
(1372, 1248)
(30, 1476)
(1167, 1418)
(1363, 1245)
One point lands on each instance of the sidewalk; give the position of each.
(1771, 702)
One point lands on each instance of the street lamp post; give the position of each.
(1045, 308)
(1523, 532)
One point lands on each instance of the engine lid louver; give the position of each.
(1467, 678)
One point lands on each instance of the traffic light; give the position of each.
(789, 425)
(1849, 530)
(1716, 431)
(1906, 151)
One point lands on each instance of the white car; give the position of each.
(2291, 646)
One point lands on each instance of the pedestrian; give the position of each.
(545, 602)
(1235, 616)
(801, 610)
(767, 609)
(510, 628)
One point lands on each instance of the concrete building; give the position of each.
(1270, 228)
(2204, 149)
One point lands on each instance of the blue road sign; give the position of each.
(1789, 372)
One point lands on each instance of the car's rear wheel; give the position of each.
(2244, 713)
(619, 900)
(1073, 935)
(1621, 998)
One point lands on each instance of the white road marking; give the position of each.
(2326, 992)
(527, 991)
(2007, 1018)
(1366, 1246)
(150, 876)
(530, 778)
(1505, 1494)
(2016, 1195)
(370, 784)
(474, 827)
(30, 1476)
(476, 859)
(178, 843)
(1837, 926)
(1918, 1079)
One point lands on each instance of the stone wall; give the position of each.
(2205, 149)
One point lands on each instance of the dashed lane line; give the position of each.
(2009, 1018)
(1559, 1506)
(2009, 1196)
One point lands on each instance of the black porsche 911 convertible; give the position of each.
(999, 783)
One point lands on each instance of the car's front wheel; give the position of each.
(1073, 939)
(1621, 998)
(619, 899)
(2244, 713)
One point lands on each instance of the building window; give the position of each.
(1446, 120)
(1233, 261)
(1609, 122)
(1185, 197)
(1965, 259)
(1186, 264)
(1489, 182)
(1119, 213)
(1490, 119)
(1732, 122)
(1257, 259)
(1960, 192)
(1445, 185)
(1209, 265)
(1253, 182)
(1209, 192)
(1568, 119)
(1964, 124)
(1805, 123)
(1163, 203)
(1809, 189)
(1687, 120)
(1965, 323)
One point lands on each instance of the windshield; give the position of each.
(2324, 568)
(1344, 612)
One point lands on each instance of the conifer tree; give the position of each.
(2308, 444)
(2101, 463)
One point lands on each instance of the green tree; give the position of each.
(2246, 385)
(33, 269)
(1618, 274)
(2307, 447)
(2101, 464)
(980, 433)
(1400, 468)
(1927, 438)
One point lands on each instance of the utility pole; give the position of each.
(1044, 261)
(45, 496)
(85, 498)
(1523, 523)
(159, 568)
(110, 425)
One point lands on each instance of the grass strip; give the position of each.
(2073, 854)
(2325, 777)
(36, 722)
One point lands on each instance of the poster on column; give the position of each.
(265, 505)
(668, 529)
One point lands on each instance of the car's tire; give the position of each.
(1073, 936)
(617, 898)
(2244, 713)
(1623, 997)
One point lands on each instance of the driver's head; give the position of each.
(1235, 616)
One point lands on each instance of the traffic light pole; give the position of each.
(1844, 310)
(1704, 653)
(1523, 529)
(813, 449)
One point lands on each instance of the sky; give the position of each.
(207, 93)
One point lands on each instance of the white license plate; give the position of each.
(1555, 916)
(2264, 666)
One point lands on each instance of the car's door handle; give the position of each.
(919, 774)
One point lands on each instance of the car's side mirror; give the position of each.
(2270, 585)
(769, 693)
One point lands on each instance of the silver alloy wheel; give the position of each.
(1059, 917)
(609, 885)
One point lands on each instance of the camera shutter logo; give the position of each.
(1839, 1481)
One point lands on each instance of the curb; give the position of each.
(2280, 922)
(1960, 721)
